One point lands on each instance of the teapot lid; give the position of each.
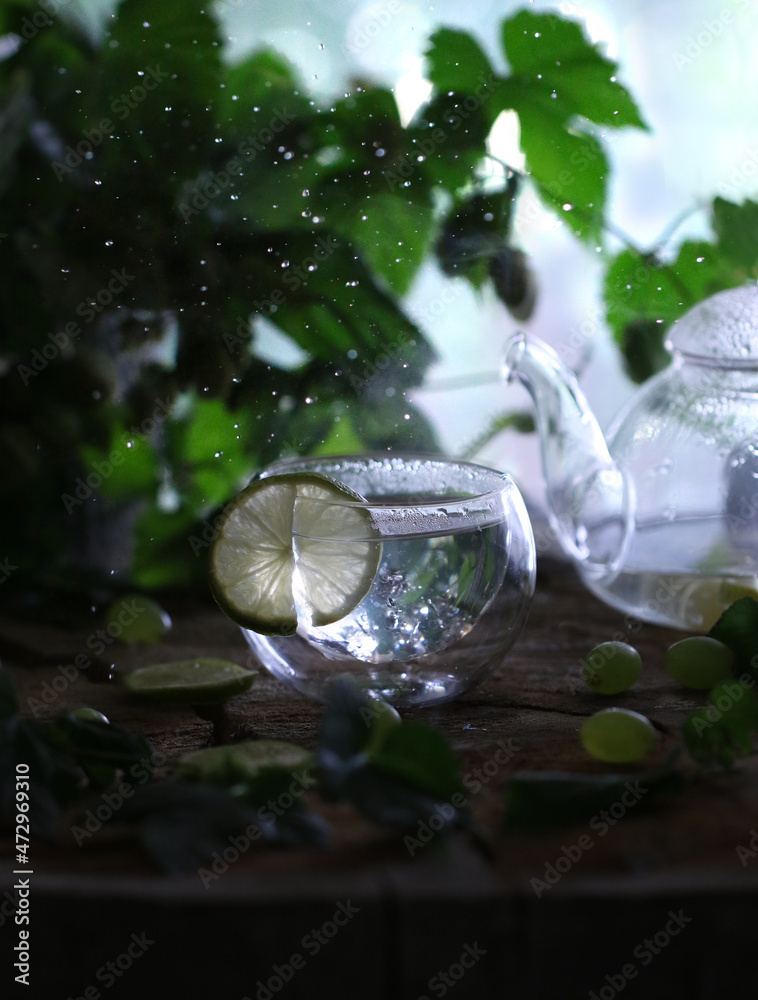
(724, 327)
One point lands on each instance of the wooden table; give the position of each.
(448, 920)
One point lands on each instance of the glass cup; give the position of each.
(455, 559)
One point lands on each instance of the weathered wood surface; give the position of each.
(417, 914)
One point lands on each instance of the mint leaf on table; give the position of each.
(737, 628)
(99, 748)
(182, 825)
(64, 758)
(716, 734)
(413, 775)
(343, 737)
(384, 799)
(543, 800)
(54, 779)
(423, 757)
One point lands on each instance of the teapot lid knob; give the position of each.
(722, 328)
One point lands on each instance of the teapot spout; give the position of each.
(590, 499)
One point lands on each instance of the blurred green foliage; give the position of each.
(162, 210)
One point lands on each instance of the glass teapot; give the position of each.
(662, 518)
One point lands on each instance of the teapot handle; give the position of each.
(590, 499)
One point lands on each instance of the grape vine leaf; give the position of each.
(561, 82)
(457, 62)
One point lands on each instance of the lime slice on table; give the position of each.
(189, 681)
(246, 759)
(276, 554)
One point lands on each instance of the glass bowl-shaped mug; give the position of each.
(455, 567)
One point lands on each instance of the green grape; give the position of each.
(699, 662)
(617, 735)
(138, 620)
(611, 667)
(89, 715)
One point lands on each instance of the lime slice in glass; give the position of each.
(706, 599)
(293, 546)
(189, 681)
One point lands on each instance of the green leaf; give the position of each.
(394, 235)
(569, 167)
(642, 346)
(100, 748)
(343, 439)
(153, 88)
(714, 735)
(343, 735)
(638, 287)
(737, 628)
(559, 78)
(738, 705)
(265, 80)
(544, 800)
(423, 757)
(387, 799)
(451, 133)
(457, 62)
(182, 826)
(54, 779)
(168, 546)
(127, 467)
(476, 228)
(736, 227)
(555, 57)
